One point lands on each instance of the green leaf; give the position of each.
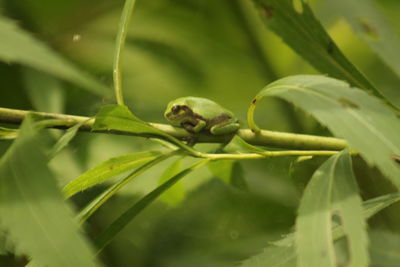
(107, 170)
(20, 47)
(348, 204)
(366, 20)
(222, 169)
(314, 242)
(229, 171)
(373, 206)
(115, 227)
(65, 139)
(103, 197)
(238, 145)
(175, 194)
(45, 92)
(119, 117)
(368, 125)
(33, 211)
(283, 253)
(384, 248)
(273, 256)
(296, 24)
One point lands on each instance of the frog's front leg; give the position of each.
(194, 125)
(225, 128)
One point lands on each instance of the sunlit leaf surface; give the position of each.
(368, 125)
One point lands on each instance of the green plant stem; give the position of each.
(120, 43)
(262, 138)
(269, 154)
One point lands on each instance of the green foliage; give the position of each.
(32, 209)
(103, 197)
(175, 194)
(296, 24)
(20, 47)
(65, 139)
(367, 124)
(368, 22)
(283, 253)
(259, 203)
(133, 211)
(331, 190)
(384, 248)
(107, 170)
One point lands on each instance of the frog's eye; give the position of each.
(175, 110)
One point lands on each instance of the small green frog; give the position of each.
(197, 114)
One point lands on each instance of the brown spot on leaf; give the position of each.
(254, 101)
(330, 48)
(396, 159)
(267, 11)
(368, 28)
(347, 103)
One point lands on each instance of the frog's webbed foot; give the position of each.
(191, 140)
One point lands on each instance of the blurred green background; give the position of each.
(214, 49)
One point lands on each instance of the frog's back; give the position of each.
(205, 107)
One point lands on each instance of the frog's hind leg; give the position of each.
(225, 129)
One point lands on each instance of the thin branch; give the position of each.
(262, 138)
(120, 43)
(268, 154)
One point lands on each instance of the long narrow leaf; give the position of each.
(348, 205)
(103, 197)
(31, 208)
(108, 169)
(296, 24)
(135, 210)
(19, 46)
(65, 139)
(314, 242)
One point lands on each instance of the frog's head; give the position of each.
(177, 113)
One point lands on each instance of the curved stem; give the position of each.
(120, 43)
